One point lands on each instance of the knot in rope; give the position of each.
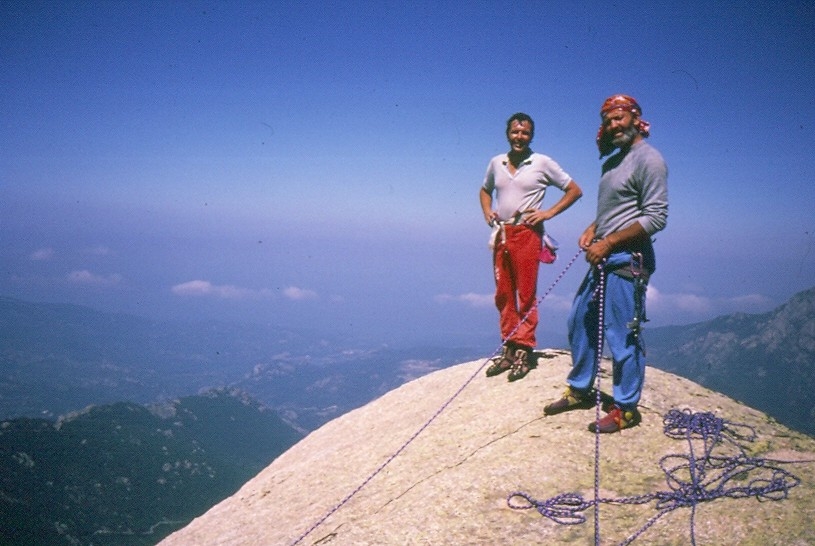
(685, 424)
(565, 509)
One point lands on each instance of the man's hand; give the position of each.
(587, 237)
(598, 251)
(534, 217)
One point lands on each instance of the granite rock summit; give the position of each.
(435, 460)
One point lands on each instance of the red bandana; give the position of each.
(622, 102)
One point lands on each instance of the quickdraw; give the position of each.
(640, 285)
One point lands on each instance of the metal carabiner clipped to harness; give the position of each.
(635, 325)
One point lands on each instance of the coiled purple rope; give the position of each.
(706, 477)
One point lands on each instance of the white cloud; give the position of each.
(224, 291)
(42, 254)
(679, 302)
(194, 288)
(705, 306)
(86, 277)
(201, 288)
(682, 306)
(294, 293)
(470, 298)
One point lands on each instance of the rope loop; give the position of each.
(691, 480)
(565, 509)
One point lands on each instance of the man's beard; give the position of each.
(628, 136)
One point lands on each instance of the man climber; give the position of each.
(519, 180)
(632, 206)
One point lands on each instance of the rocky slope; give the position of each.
(360, 479)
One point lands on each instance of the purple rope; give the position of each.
(691, 480)
(600, 297)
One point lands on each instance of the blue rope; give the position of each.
(444, 406)
(691, 480)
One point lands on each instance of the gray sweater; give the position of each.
(633, 188)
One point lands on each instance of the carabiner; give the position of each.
(636, 264)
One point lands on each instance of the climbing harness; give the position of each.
(691, 480)
(498, 228)
(441, 409)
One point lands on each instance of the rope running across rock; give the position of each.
(691, 480)
(435, 415)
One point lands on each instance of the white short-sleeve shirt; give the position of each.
(526, 188)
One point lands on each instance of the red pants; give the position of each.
(515, 262)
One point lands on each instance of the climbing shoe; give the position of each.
(521, 365)
(616, 419)
(572, 399)
(502, 362)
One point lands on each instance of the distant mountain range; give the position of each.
(59, 358)
(112, 470)
(766, 361)
(128, 475)
(83, 460)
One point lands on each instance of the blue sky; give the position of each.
(317, 165)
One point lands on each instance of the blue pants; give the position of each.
(626, 347)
